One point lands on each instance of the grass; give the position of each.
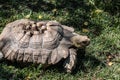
(97, 19)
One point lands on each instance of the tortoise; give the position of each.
(41, 42)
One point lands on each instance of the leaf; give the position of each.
(40, 16)
(54, 10)
(27, 16)
(98, 11)
(110, 63)
(85, 23)
(27, 78)
(85, 30)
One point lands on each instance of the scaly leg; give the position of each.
(70, 62)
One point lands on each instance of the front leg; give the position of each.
(70, 62)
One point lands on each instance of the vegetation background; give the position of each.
(99, 19)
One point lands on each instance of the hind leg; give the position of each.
(70, 62)
(1, 55)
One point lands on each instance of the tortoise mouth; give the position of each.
(85, 43)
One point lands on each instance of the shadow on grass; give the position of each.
(86, 63)
(10, 70)
(7, 73)
(82, 59)
(4, 74)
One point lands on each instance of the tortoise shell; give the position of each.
(45, 42)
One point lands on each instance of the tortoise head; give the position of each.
(80, 41)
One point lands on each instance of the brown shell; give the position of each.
(37, 42)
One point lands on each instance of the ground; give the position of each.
(100, 20)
